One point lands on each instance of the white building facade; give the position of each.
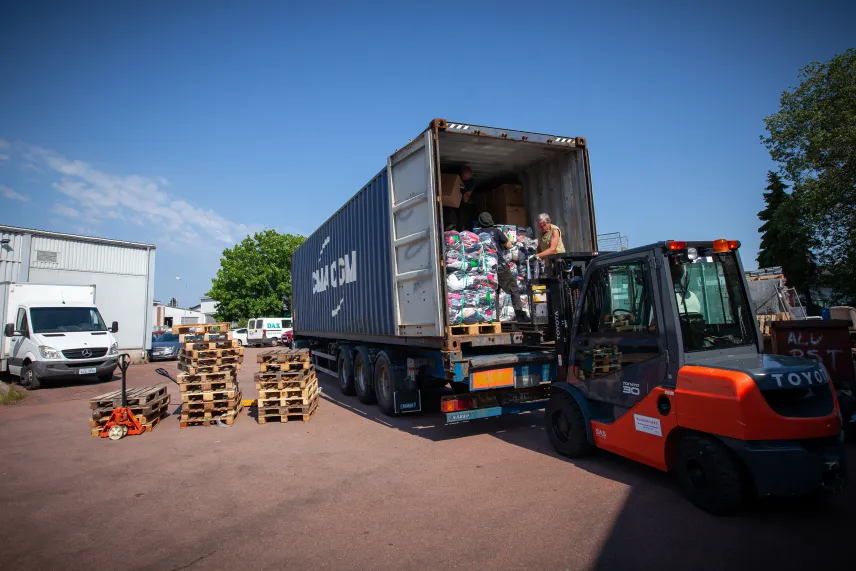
(122, 273)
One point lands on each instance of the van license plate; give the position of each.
(89, 371)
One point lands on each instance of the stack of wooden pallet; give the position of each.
(148, 404)
(602, 360)
(209, 362)
(287, 385)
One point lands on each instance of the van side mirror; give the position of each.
(9, 330)
(115, 327)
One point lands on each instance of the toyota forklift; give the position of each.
(658, 358)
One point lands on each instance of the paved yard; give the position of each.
(355, 490)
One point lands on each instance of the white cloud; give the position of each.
(7, 192)
(66, 211)
(97, 196)
(4, 157)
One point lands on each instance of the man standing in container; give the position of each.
(504, 278)
(467, 210)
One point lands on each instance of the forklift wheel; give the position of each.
(709, 475)
(566, 426)
(117, 432)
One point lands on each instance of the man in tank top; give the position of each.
(550, 237)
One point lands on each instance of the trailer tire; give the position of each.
(709, 475)
(384, 384)
(345, 369)
(29, 378)
(566, 426)
(363, 378)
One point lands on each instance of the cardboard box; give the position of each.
(450, 190)
(507, 195)
(515, 216)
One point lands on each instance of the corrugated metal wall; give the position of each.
(61, 254)
(11, 257)
(356, 300)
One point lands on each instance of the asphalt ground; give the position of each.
(352, 489)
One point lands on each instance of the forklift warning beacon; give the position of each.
(659, 360)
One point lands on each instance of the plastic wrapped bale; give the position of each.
(506, 309)
(459, 281)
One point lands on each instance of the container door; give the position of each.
(414, 239)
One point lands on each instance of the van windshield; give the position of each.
(66, 319)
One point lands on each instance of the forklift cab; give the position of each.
(658, 356)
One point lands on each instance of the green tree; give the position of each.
(770, 252)
(173, 302)
(813, 137)
(786, 239)
(254, 276)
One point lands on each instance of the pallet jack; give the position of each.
(122, 421)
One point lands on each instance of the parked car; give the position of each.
(240, 335)
(267, 330)
(164, 347)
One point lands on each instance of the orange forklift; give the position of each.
(658, 358)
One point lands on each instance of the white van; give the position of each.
(268, 330)
(54, 332)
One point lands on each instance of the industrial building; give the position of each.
(122, 273)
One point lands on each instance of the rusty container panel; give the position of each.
(827, 341)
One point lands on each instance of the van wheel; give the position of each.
(363, 381)
(345, 369)
(709, 474)
(566, 426)
(240, 343)
(384, 385)
(29, 378)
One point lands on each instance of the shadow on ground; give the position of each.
(657, 527)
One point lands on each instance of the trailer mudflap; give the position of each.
(407, 401)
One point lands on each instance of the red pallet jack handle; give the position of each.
(122, 421)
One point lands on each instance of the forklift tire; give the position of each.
(384, 384)
(566, 426)
(709, 475)
(363, 378)
(345, 370)
(29, 378)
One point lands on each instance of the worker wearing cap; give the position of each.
(504, 278)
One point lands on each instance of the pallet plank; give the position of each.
(275, 415)
(135, 397)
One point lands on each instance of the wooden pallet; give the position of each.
(284, 379)
(283, 356)
(216, 405)
(200, 355)
(292, 366)
(198, 328)
(225, 385)
(144, 417)
(209, 345)
(288, 397)
(143, 410)
(202, 337)
(220, 376)
(284, 414)
(200, 369)
(226, 418)
(475, 329)
(135, 397)
(213, 395)
(147, 427)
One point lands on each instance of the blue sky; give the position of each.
(189, 124)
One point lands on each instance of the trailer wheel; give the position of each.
(566, 426)
(709, 474)
(345, 369)
(29, 378)
(363, 381)
(384, 384)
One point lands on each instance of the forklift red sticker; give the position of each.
(648, 425)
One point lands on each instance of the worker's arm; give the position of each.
(554, 245)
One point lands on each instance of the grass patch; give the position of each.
(11, 395)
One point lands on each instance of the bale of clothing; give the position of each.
(471, 284)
